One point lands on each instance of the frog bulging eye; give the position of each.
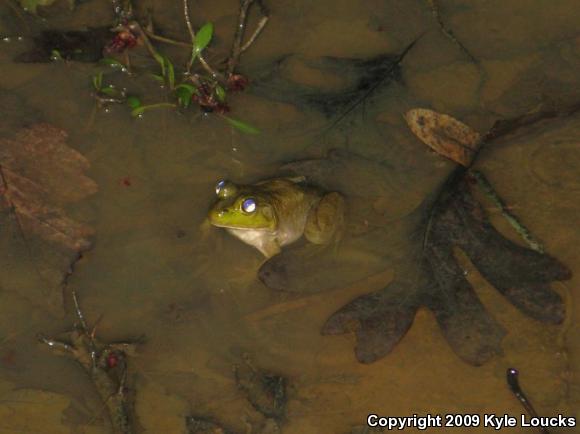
(219, 187)
(225, 189)
(249, 205)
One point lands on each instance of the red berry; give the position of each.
(112, 360)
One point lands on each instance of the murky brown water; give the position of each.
(196, 298)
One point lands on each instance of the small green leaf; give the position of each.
(98, 81)
(170, 73)
(160, 60)
(189, 87)
(184, 93)
(114, 63)
(242, 126)
(141, 109)
(110, 91)
(133, 102)
(138, 111)
(202, 39)
(220, 93)
(55, 55)
(158, 78)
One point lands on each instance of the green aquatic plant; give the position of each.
(200, 41)
(197, 84)
(208, 91)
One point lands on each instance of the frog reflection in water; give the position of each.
(273, 213)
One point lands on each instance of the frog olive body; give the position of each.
(274, 213)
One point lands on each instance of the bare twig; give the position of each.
(79, 313)
(56, 345)
(261, 24)
(214, 73)
(188, 20)
(239, 35)
(106, 366)
(238, 47)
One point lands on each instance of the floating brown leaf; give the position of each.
(39, 175)
(444, 134)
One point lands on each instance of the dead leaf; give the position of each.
(39, 175)
(444, 134)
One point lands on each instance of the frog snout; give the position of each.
(217, 215)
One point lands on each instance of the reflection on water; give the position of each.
(195, 295)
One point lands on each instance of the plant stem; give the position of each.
(239, 36)
(215, 74)
(167, 40)
(188, 20)
(261, 24)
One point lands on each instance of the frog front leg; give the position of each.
(326, 220)
(269, 247)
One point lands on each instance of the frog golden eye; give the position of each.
(249, 205)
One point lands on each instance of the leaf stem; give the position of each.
(522, 230)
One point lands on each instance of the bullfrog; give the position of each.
(276, 212)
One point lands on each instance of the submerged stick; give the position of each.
(514, 385)
(106, 366)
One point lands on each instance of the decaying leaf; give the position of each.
(40, 174)
(444, 134)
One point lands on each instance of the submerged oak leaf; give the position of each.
(40, 174)
(428, 273)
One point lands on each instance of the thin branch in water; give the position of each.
(79, 313)
(238, 47)
(105, 364)
(55, 345)
(188, 20)
(261, 24)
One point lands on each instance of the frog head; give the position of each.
(241, 207)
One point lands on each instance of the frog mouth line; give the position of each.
(221, 225)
